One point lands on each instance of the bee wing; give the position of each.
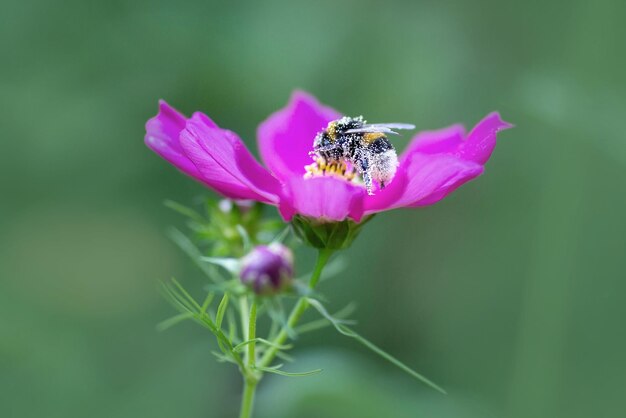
(386, 128)
(371, 129)
(391, 125)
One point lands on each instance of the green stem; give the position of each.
(250, 378)
(248, 398)
(297, 311)
(322, 258)
(252, 335)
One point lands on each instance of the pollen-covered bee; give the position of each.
(350, 145)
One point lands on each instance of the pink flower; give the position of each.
(434, 164)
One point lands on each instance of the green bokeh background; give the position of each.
(510, 293)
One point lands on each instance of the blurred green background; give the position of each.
(510, 293)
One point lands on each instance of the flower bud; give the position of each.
(267, 269)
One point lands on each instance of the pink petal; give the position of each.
(286, 137)
(423, 179)
(477, 146)
(225, 164)
(162, 132)
(324, 198)
(438, 162)
(457, 177)
(482, 139)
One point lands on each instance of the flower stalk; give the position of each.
(247, 402)
(251, 378)
(252, 336)
(301, 306)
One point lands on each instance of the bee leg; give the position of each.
(382, 185)
(367, 179)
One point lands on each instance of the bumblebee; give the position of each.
(350, 146)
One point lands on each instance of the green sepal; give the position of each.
(327, 235)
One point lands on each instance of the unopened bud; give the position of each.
(267, 269)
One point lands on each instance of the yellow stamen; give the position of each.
(322, 167)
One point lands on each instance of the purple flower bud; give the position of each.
(267, 269)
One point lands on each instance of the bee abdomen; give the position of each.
(384, 165)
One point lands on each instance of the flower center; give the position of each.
(321, 167)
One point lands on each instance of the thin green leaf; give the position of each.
(282, 235)
(175, 298)
(232, 286)
(231, 265)
(288, 374)
(170, 322)
(350, 333)
(245, 238)
(323, 322)
(221, 309)
(223, 342)
(284, 356)
(207, 302)
(186, 304)
(239, 346)
(182, 290)
(222, 358)
(194, 253)
(185, 211)
(276, 312)
(274, 328)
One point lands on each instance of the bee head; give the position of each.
(340, 126)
